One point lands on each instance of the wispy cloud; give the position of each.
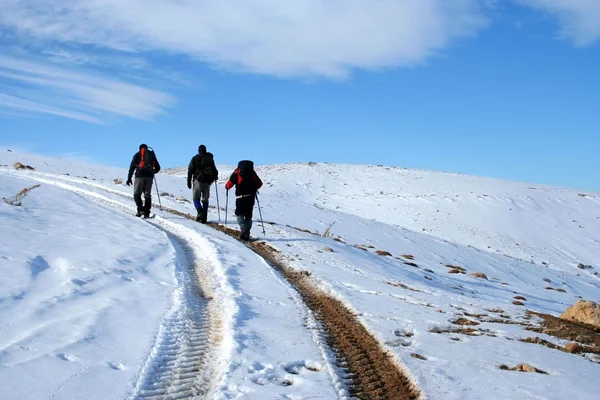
(283, 38)
(39, 88)
(579, 19)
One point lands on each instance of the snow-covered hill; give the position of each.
(92, 295)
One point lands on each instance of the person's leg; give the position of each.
(147, 196)
(138, 188)
(205, 192)
(242, 221)
(196, 196)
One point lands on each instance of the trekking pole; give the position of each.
(260, 213)
(158, 194)
(156, 185)
(226, 205)
(218, 206)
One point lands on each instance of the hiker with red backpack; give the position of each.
(246, 183)
(203, 172)
(145, 165)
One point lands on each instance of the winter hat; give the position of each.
(202, 149)
(143, 146)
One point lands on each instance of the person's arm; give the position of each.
(132, 168)
(231, 181)
(216, 174)
(156, 165)
(258, 183)
(190, 174)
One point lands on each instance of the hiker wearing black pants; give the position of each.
(145, 165)
(203, 172)
(246, 183)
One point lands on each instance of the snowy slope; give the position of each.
(524, 237)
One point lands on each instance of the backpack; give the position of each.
(247, 177)
(204, 167)
(147, 159)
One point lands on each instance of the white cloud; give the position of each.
(277, 37)
(38, 88)
(579, 19)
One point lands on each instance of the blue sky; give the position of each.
(502, 89)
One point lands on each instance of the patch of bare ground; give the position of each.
(584, 338)
(382, 253)
(455, 269)
(464, 321)
(479, 275)
(412, 264)
(463, 331)
(518, 303)
(408, 256)
(557, 290)
(520, 298)
(522, 368)
(403, 286)
(372, 372)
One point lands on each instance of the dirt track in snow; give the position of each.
(372, 373)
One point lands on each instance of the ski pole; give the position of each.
(158, 194)
(156, 184)
(260, 213)
(218, 206)
(226, 205)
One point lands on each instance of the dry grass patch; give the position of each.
(117, 181)
(518, 303)
(522, 368)
(464, 321)
(456, 271)
(328, 249)
(19, 165)
(418, 356)
(383, 253)
(408, 256)
(412, 264)
(480, 275)
(16, 199)
(556, 290)
(520, 298)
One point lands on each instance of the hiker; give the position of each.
(203, 171)
(145, 165)
(246, 184)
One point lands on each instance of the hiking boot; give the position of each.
(146, 214)
(139, 213)
(204, 218)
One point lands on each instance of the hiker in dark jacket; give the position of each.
(203, 171)
(246, 183)
(145, 165)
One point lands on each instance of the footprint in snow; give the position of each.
(116, 365)
(67, 357)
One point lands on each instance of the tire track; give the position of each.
(186, 361)
(370, 371)
(178, 367)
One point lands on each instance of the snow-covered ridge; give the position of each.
(538, 242)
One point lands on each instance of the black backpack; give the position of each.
(147, 159)
(204, 167)
(248, 177)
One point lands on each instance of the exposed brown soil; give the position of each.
(587, 336)
(522, 368)
(464, 321)
(383, 253)
(372, 372)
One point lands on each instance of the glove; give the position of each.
(189, 184)
(129, 183)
